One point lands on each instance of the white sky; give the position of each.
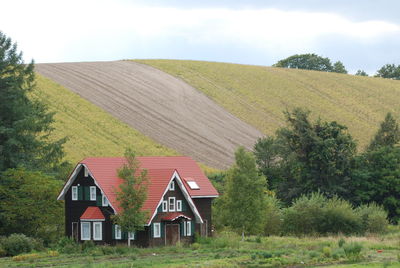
(58, 31)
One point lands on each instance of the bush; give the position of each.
(373, 218)
(68, 246)
(87, 246)
(17, 243)
(273, 219)
(353, 251)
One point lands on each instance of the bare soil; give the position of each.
(159, 105)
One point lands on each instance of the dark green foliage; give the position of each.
(241, 207)
(25, 124)
(218, 181)
(266, 152)
(18, 243)
(387, 135)
(132, 195)
(373, 217)
(389, 71)
(338, 67)
(28, 204)
(307, 62)
(68, 245)
(361, 73)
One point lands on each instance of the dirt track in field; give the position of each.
(159, 105)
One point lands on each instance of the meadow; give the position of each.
(258, 95)
(227, 250)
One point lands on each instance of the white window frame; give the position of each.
(178, 205)
(171, 186)
(118, 233)
(88, 224)
(164, 206)
(92, 193)
(193, 185)
(74, 193)
(188, 228)
(86, 172)
(100, 237)
(184, 228)
(104, 201)
(156, 226)
(171, 203)
(131, 235)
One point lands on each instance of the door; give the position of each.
(75, 231)
(171, 234)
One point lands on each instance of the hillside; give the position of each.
(156, 104)
(91, 131)
(258, 95)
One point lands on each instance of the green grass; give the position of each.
(259, 95)
(227, 250)
(91, 131)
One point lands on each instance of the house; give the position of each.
(178, 201)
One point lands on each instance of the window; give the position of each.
(193, 185)
(156, 230)
(85, 230)
(97, 231)
(92, 193)
(179, 205)
(104, 201)
(184, 228)
(86, 172)
(164, 206)
(117, 232)
(188, 228)
(131, 235)
(74, 193)
(171, 186)
(171, 201)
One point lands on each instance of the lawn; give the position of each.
(227, 250)
(258, 95)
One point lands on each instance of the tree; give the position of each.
(244, 199)
(361, 73)
(307, 62)
(25, 124)
(131, 195)
(338, 67)
(316, 156)
(387, 135)
(389, 71)
(28, 205)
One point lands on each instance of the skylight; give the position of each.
(193, 185)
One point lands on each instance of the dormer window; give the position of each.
(193, 185)
(92, 193)
(171, 186)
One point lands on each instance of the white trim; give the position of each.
(164, 206)
(205, 196)
(92, 219)
(171, 186)
(178, 205)
(74, 193)
(193, 185)
(94, 231)
(184, 228)
(89, 224)
(185, 194)
(93, 193)
(71, 180)
(158, 235)
(188, 228)
(171, 203)
(179, 216)
(118, 232)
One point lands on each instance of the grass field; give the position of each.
(258, 95)
(227, 250)
(90, 130)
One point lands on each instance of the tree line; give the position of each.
(315, 62)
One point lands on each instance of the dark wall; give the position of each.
(204, 207)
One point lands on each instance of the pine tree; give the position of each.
(25, 124)
(387, 135)
(131, 195)
(244, 198)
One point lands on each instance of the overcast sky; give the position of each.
(363, 34)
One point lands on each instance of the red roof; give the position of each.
(160, 170)
(174, 215)
(92, 213)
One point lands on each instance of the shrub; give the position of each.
(341, 242)
(17, 243)
(88, 245)
(108, 250)
(273, 219)
(373, 218)
(3, 252)
(68, 246)
(352, 251)
(327, 251)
